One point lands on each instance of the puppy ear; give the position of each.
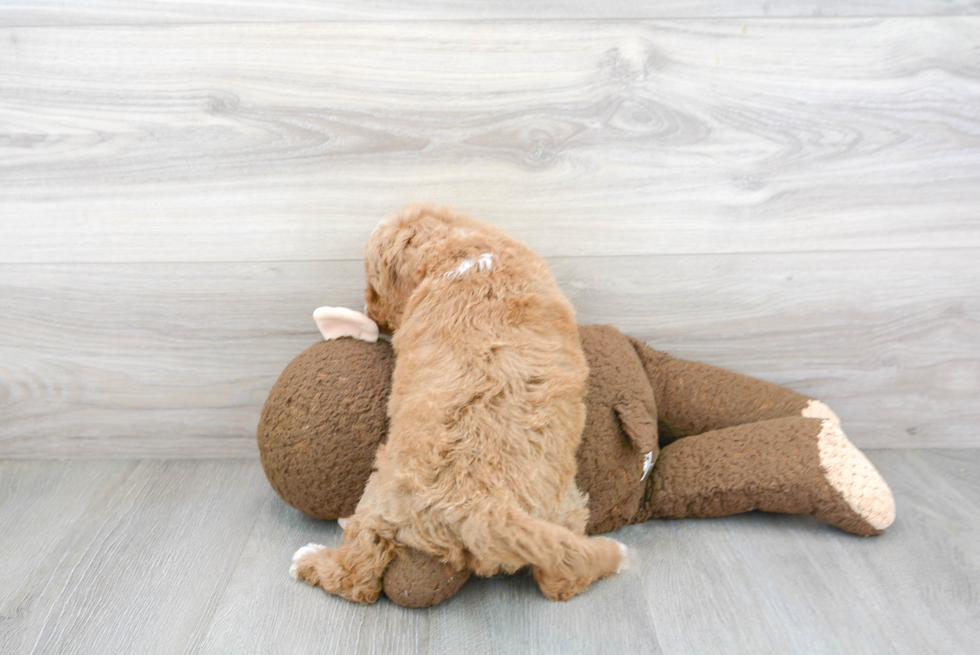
(336, 322)
(421, 259)
(411, 265)
(370, 295)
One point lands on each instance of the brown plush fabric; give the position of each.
(620, 429)
(693, 398)
(771, 465)
(415, 579)
(325, 418)
(322, 423)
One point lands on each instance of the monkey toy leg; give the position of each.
(736, 444)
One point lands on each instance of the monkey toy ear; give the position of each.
(336, 322)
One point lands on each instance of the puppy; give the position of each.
(486, 413)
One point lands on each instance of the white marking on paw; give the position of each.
(308, 548)
(852, 474)
(305, 550)
(816, 409)
(627, 561)
(343, 523)
(647, 465)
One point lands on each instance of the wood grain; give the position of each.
(288, 141)
(843, 593)
(794, 198)
(143, 567)
(164, 360)
(191, 557)
(31, 12)
(41, 504)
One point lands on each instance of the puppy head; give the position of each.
(396, 259)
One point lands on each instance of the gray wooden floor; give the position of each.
(188, 556)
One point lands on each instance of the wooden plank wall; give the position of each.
(791, 191)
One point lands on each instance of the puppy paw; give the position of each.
(617, 557)
(303, 567)
(561, 586)
(608, 556)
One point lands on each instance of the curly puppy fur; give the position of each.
(486, 415)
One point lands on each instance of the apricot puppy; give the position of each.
(486, 415)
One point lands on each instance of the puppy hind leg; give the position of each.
(353, 570)
(564, 563)
(573, 510)
(591, 559)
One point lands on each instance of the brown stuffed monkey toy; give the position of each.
(664, 438)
